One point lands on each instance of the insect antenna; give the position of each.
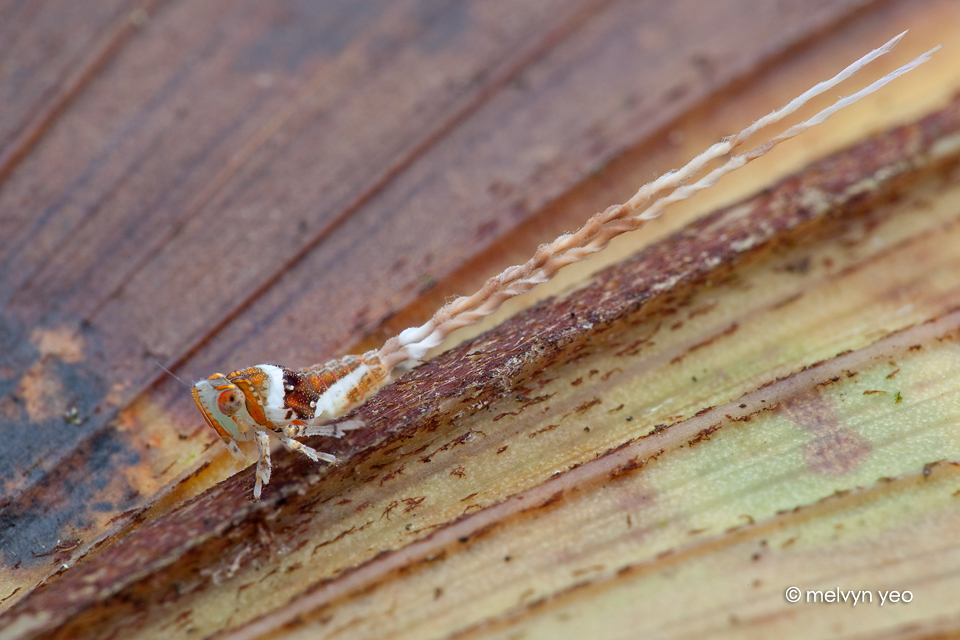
(171, 374)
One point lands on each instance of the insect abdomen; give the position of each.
(331, 389)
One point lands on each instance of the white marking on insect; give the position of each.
(336, 401)
(274, 406)
(305, 402)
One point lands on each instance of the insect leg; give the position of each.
(263, 463)
(310, 452)
(238, 455)
(328, 429)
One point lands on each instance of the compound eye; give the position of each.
(230, 401)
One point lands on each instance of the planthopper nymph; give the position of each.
(246, 404)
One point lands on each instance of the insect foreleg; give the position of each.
(263, 463)
(238, 455)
